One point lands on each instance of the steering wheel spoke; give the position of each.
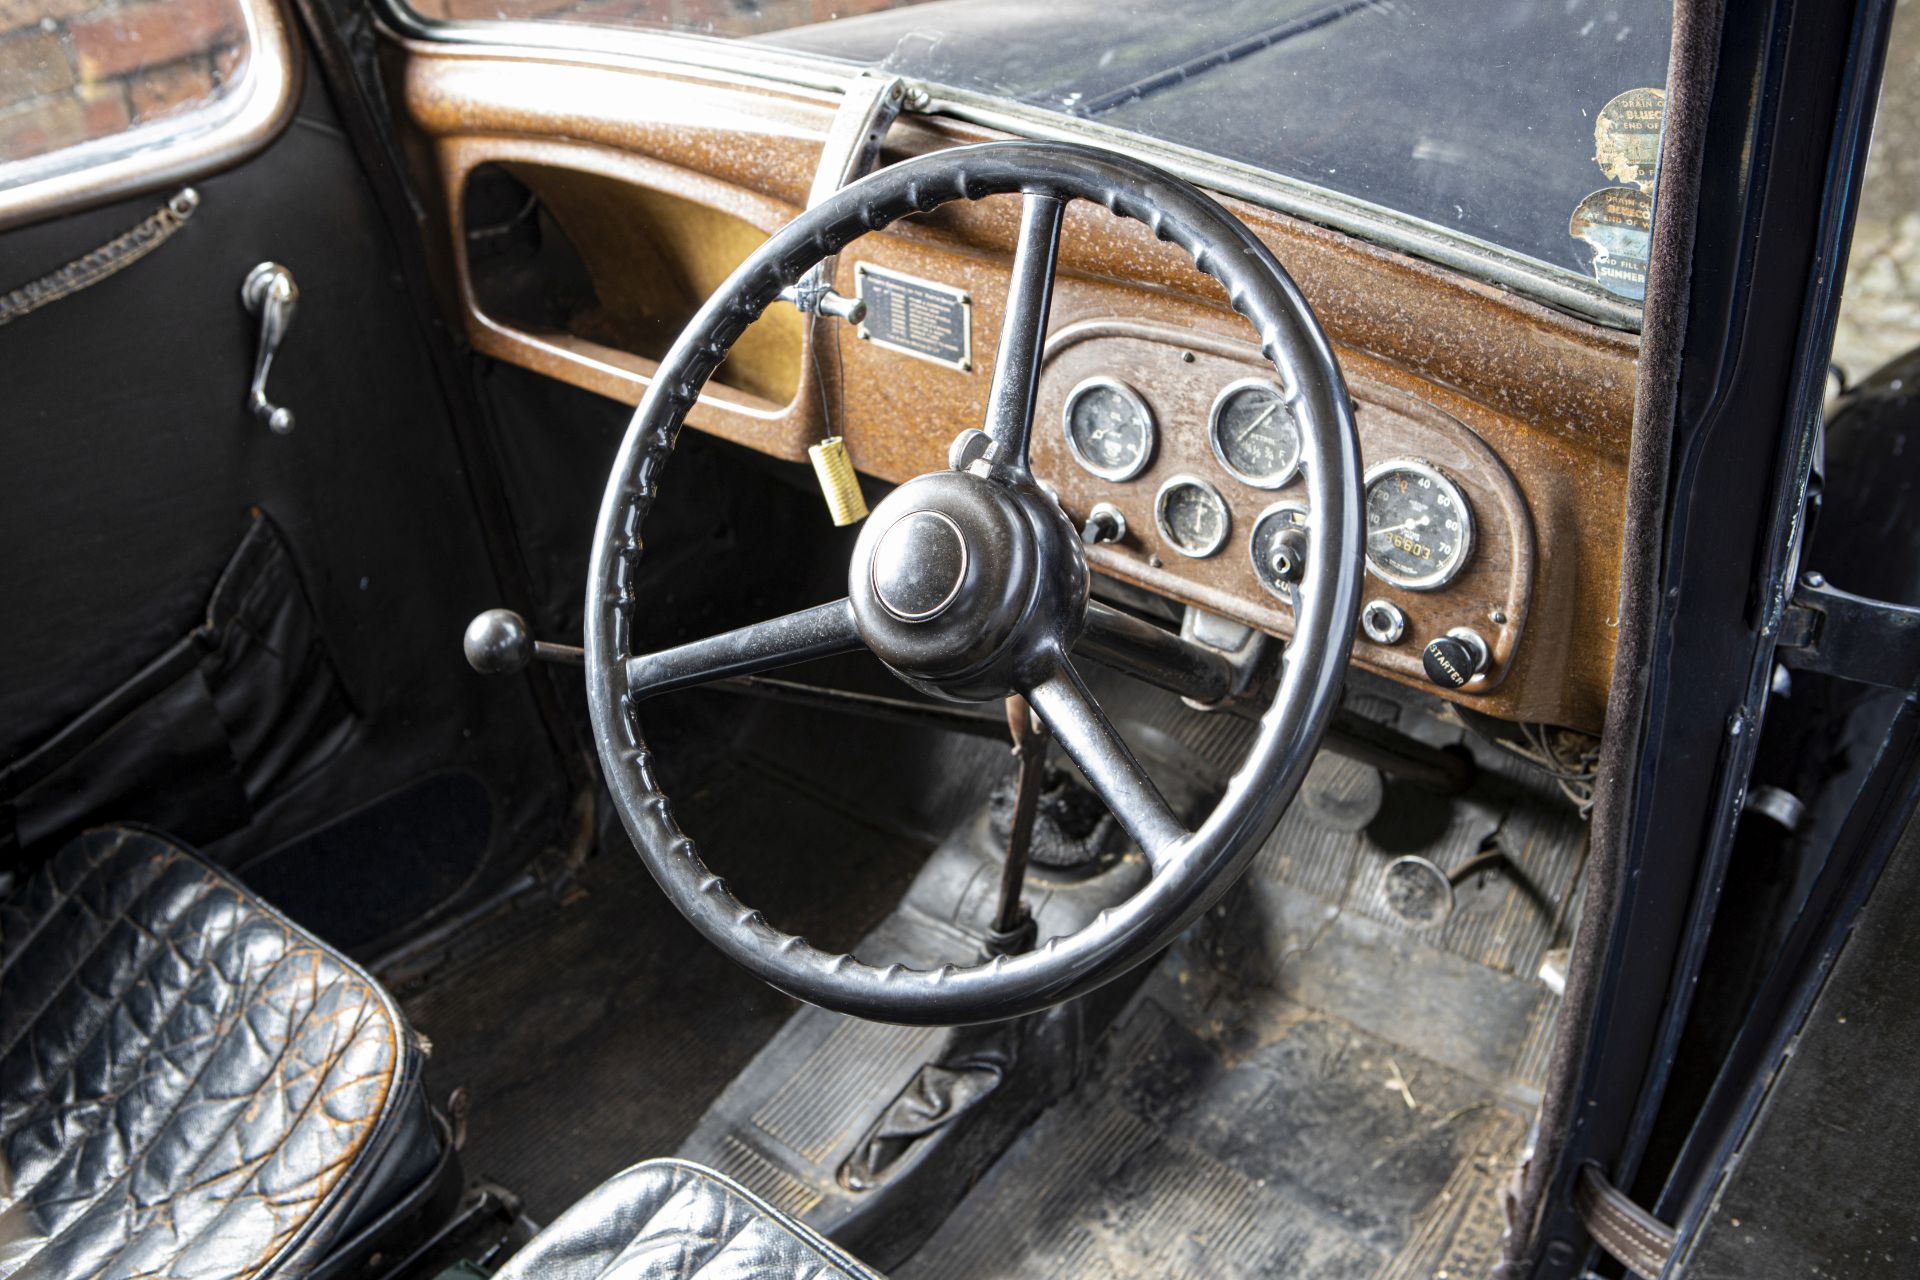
(1016, 362)
(1067, 707)
(819, 632)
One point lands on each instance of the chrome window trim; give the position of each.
(735, 60)
(168, 151)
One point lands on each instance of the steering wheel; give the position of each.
(972, 584)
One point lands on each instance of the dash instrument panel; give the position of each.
(1179, 454)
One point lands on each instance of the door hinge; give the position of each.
(1837, 633)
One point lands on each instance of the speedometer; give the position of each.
(1109, 428)
(1419, 526)
(1254, 433)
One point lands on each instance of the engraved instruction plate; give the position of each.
(916, 317)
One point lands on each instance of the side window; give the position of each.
(103, 96)
(74, 70)
(1880, 307)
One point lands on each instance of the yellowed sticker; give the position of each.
(1618, 223)
(1626, 137)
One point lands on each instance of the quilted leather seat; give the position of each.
(671, 1220)
(190, 1085)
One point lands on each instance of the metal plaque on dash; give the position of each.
(916, 317)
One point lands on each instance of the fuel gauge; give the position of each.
(1254, 433)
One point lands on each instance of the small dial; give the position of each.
(1254, 433)
(1109, 429)
(1419, 526)
(1192, 516)
(1278, 549)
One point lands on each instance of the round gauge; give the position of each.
(1419, 526)
(1109, 428)
(1278, 548)
(1254, 433)
(1192, 516)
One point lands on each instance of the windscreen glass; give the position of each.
(1533, 125)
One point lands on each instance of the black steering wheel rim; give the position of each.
(1189, 874)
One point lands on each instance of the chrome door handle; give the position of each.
(271, 294)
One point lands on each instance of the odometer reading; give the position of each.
(1419, 526)
(1192, 516)
(1254, 433)
(1109, 429)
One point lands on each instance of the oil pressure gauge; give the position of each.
(1192, 516)
(1109, 428)
(1419, 526)
(1254, 433)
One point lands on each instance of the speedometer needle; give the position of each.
(1418, 522)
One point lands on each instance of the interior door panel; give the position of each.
(134, 469)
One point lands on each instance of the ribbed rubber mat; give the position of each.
(1190, 1156)
(1499, 921)
(814, 1111)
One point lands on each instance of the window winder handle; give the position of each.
(269, 293)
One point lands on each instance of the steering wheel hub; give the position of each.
(919, 565)
(960, 582)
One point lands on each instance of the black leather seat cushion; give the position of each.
(190, 1085)
(671, 1220)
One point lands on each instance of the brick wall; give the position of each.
(71, 70)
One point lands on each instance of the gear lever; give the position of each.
(498, 643)
(1014, 927)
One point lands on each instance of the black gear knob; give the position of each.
(1455, 658)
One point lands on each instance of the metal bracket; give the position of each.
(1837, 633)
(851, 151)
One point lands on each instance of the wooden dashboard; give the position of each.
(659, 181)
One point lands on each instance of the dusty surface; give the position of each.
(1880, 317)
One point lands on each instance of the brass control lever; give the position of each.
(498, 643)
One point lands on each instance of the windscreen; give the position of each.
(1530, 124)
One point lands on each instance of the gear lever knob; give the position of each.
(498, 643)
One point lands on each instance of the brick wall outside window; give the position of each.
(71, 70)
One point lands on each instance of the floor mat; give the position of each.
(596, 1034)
(1293, 1145)
(1306, 1086)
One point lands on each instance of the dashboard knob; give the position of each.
(1289, 558)
(1104, 524)
(1455, 658)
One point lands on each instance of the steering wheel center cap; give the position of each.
(918, 566)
